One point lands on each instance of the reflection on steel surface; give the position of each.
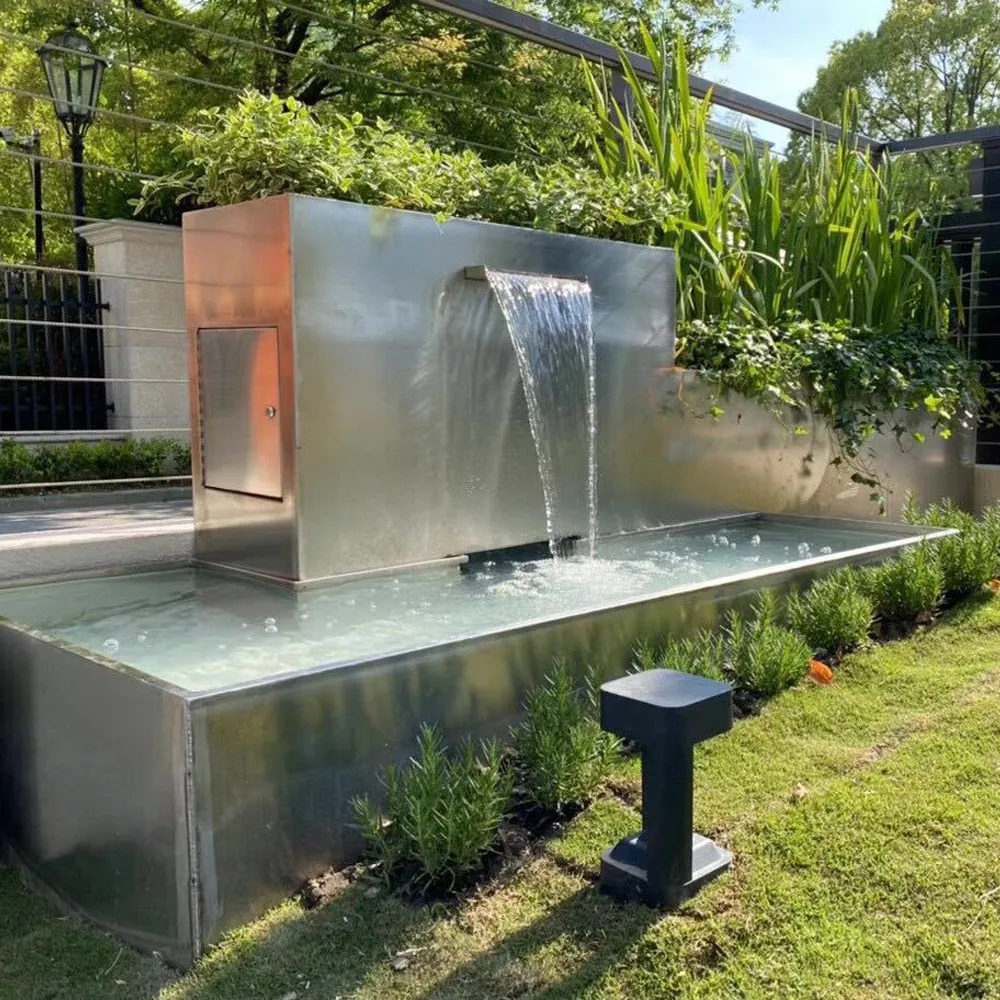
(241, 428)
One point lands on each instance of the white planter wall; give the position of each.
(144, 326)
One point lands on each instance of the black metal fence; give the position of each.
(51, 352)
(974, 239)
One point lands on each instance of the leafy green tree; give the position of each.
(931, 66)
(458, 84)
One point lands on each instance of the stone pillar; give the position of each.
(146, 294)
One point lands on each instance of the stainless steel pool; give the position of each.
(178, 749)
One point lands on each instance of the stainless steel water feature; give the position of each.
(359, 404)
(170, 814)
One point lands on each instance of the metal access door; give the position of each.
(240, 412)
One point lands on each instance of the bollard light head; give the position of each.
(656, 706)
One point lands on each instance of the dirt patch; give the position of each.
(986, 687)
(323, 888)
(893, 740)
(628, 791)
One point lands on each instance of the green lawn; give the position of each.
(865, 822)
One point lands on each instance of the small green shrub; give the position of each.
(969, 560)
(904, 587)
(703, 654)
(756, 654)
(267, 145)
(442, 813)
(86, 460)
(833, 614)
(563, 753)
(765, 658)
(991, 522)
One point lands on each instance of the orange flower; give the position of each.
(994, 585)
(820, 672)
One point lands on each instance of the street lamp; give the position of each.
(74, 72)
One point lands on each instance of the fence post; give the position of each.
(145, 297)
(986, 345)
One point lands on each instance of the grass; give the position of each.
(864, 818)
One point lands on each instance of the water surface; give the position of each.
(201, 630)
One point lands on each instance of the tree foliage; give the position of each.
(455, 83)
(932, 66)
(929, 67)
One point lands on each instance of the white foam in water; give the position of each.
(187, 615)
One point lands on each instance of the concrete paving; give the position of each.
(42, 543)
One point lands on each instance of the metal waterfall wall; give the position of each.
(397, 430)
(360, 407)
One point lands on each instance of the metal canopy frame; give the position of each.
(560, 39)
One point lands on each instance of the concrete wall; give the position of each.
(144, 327)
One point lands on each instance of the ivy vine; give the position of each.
(860, 381)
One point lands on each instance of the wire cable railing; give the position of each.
(42, 334)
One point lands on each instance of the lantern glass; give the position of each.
(74, 73)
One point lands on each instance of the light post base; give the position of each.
(625, 871)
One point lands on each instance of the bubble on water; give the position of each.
(373, 606)
(304, 616)
(110, 643)
(270, 628)
(142, 637)
(803, 548)
(732, 545)
(395, 582)
(244, 625)
(270, 621)
(826, 551)
(351, 602)
(723, 541)
(713, 539)
(412, 611)
(755, 540)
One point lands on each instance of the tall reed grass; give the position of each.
(820, 235)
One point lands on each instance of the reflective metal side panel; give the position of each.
(237, 276)
(747, 459)
(240, 417)
(276, 763)
(413, 433)
(92, 786)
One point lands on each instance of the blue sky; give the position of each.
(778, 52)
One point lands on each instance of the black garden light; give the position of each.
(74, 72)
(666, 713)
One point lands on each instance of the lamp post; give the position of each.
(31, 147)
(74, 72)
